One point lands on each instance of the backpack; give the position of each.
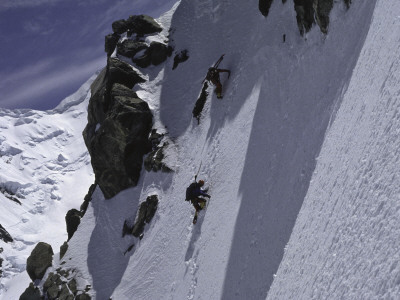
(211, 74)
(189, 191)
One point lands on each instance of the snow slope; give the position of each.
(257, 149)
(345, 243)
(45, 163)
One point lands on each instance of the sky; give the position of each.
(49, 48)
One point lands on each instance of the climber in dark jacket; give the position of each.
(195, 195)
(213, 76)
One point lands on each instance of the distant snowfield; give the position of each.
(45, 163)
(311, 119)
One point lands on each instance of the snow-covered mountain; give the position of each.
(299, 157)
(45, 172)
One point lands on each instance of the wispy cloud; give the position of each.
(7, 4)
(45, 81)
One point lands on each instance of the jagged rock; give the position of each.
(40, 259)
(144, 60)
(52, 292)
(4, 235)
(72, 219)
(31, 293)
(52, 279)
(180, 58)
(159, 52)
(100, 101)
(154, 161)
(145, 214)
(118, 146)
(264, 6)
(304, 15)
(198, 107)
(322, 9)
(65, 293)
(83, 297)
(111, 41)
(119, 26)
(63, 249)
(155, 54)
(123, 73)
(72, 286)
(142, 25)
(130, 48)
(87, 198)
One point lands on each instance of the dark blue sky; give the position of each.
(49, 48)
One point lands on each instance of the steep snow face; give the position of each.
(46, 168)
(345, 243)
(256, 149)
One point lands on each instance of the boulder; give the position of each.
(40, 259)
(122, 73)
(130, 48)
(142, 24)
(115, 72)
(4, 235)
(31, 293)
(111, 41)
(83, 297)
(145, 214)
(72, 220)
(118, 146)
(119, 26)
(156, 54)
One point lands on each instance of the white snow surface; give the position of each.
(300, 157)
(46, 167)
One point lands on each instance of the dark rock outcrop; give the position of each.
(111, 41)
(130, 48)
(83, 297)
(142, 25)
(304, 15)
(322, 10)
(308, 12)
(31, 293)
(63, 249)
(72, 220)
(264, 6)
(119, 26)
(154, 160)
(1, 263)
(198, 107)
(4, 235)
(40, 259)
(145, 214)
(118, 127)
(87, 198)
(122, 73)
(156, 54)
(180, 58)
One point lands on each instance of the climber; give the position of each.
(194, 194)
(213, 76)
